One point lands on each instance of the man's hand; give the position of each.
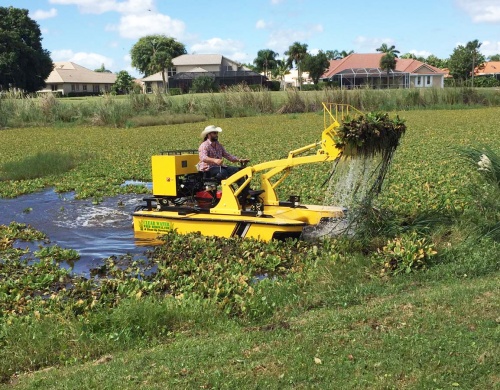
(218, 161)
(243, 160)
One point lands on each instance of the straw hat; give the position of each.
(210, 129)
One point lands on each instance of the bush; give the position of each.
(486, 82)
(203, 84)
(404, 254)
(174, 91)
(274, 85)
(82, 94)
(309, 87)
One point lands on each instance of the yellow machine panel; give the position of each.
(165, 169)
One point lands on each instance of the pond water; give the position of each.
(96, 231)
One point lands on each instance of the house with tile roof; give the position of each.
(188, 67)
(362, 70)
(491, 68)
(69, 78)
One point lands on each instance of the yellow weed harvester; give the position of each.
(185, 200)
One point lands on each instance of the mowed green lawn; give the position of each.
(340, 326)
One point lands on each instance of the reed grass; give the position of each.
(236, 101)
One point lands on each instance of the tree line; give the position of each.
(25, 65)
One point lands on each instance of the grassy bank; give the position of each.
(329, 314)
(159, 109)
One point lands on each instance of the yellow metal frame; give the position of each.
(228, 218)
(327, 151)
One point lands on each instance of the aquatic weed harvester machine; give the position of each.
(186, 201)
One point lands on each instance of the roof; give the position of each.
(372, 61)
(69, 72)
(225, 74)
(154, 77)
(492, 67)
(198, 59)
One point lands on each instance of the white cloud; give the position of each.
(367, 45)
(480, 11)
(136, 7)
(276, 1)
(229, 48)
(41, 14)
(102, 6)
(317, 28)
(137, 26)
(88, 60)
(490, 48)
(89, 6)
(420, 53)
(281, 40)
(260, 25)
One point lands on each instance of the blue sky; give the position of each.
(95, 32)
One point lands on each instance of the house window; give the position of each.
(428, 80)
(54, 87)
(84, 87)
(106, 88)
(419, 80)
(95, 88)
(171, 71)
(75, 87)
(228, 68)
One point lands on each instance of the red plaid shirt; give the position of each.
(212, 150)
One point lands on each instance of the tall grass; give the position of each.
(236, 101)
(40, 165)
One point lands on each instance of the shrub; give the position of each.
(274, 85)
(203, 84)
(174, 91)
(404, 254)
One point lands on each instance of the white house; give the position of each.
(68, 77)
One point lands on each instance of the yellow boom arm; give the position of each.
(327, 151)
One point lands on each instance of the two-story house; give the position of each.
(187, 67)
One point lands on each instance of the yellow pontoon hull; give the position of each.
(276, 222)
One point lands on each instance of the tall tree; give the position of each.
(24, 63)
(333, 54)
(265, 61)
(344, 53)
(154, 53)
(388, 60)
(316, 65)
(124, 82)
(388, 50)
(464, 60)
(296, 53)
(102, 69)
(281, 70)
(337, 55)
(435, 61)
(409, 56)
(495, 57)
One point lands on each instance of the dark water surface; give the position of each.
(96, 231)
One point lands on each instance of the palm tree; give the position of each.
(265, 61)
(281, 70)
(473, 47)
(344, 54)
(388, 50)
(333, 55)
(296, 53)
(388, 61)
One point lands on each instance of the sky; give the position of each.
(95, 32)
